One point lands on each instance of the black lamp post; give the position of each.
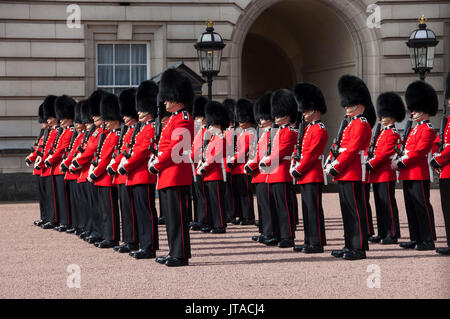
(209, 49)
(421, 44)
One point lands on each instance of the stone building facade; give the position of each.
(270, 44)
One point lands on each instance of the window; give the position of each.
(120, 66)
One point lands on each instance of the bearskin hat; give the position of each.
(309, 97)
(230, 105)
(199, 106)
(94, 102)
(390, 104)
(244, 111)
(283, 104)
(64, 107)
(175, 86)
(41, 113)
(86, 117)
(447, 87)
(49, 107)
(216, 114)
(370, 115)
(109, 108)
(420, 96)
(147, 97)
(77, 113)
(261, 108)
(353, 91)
(127, 103)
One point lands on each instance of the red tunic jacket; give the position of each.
(314, 142)
(122, 179)
(34, 154)
(418, 145)
(71, 155)
(197, 148)
(215, 159)
(104, 158)
(61, 148)
(261, 150)
(228, 133)
(176, 137)
(244, 141)
(49, 145)
(279, 161)
(356, 138)
(444, 157)
(384, 152)
(137, 164)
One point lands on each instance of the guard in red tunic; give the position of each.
(309, 171)
(212, 166)
(347, 169)
(107, 192)
(441, 165)
(130, 236)
(390, 109)
(64, 109)
(71, 179)
(173, 165)
(83, 162)
(36, 152)
(199, 194)
(263, 116)
(241, 183)
(139, 179)
(48, 182)
(422, 101)
(277, 164)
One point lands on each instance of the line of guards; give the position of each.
(107, 154)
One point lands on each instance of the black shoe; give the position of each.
(177, 262)
(206, 229)
(63, 228)
(235, 221)
(195, 226)
(39, 222)
(255, 238)
(218, 231)
(271, 242)
(286, 243)
(299, 248)
(56, 228)
(144, 254)
(257, 223)
(49, 225)
(78, 232)
(162, 260)
(126, 248)
(248, 222)
(107, 244)
(83, 235)
(93, 240)
(355, 254)
(71, 231)
(425, 245)
(389, 241)
(340, 252)
(161, 221)
(262, 239)
(443, 251)
(408, 245)
(374, 239)
(312, 249)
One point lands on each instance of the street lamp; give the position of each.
(421, 44)
(209, 49)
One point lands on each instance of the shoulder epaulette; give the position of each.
(322, 126)
(185, 115)
(363, 119)
(430, 126)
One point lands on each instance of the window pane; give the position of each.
(122, 54)
(138, 74)
(138, 54)
(117, 91)
(105, 75)
(122, 75)
(105, 54)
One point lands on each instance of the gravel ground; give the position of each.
(34, 262)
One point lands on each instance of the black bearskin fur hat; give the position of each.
(41, 114)
(261, 109)
(65, 107)
(199, 106)
(175, 86)
(85, 115)
(230, 105)
(109, 108)
(353, 91)
(77, 113)
(244, 111)
(49, 107)
(94, 102)
(216, 114)
(283, 104)
(127, 103)
(420, 96)
(147, 97)
(309, 97)
(390, 104)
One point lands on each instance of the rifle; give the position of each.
(86, 136)
(101, 139)
(123, 131)
(444, 121)
(44, 142)
(59, 132)
(235, 124)
(130, 145)
(334, 149)
(408, 128)
(36, 143)
(72, 140)
(298, 148)
(158, 130)
(373, 141)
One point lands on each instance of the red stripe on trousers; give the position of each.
(67, 202)
(392, 213)
(54, 200)
(112, 212)
(132, 213)
(220, 205)
(359, 221)
(206, 202)
(428, 212)
(318, 215)
(287, 208)
(151, 214)
(181, 215)
(367, 212)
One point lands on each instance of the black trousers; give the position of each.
(49, 192)
(74, 202)
(282, 212)
(62, 200)
(386, 210)
(444, 186)
(93, 213)
(295, 204)
(368, 209)
(419, 211)
(147, 217)
(230, 211)
(353, 215)
(128, 215)
(83, 206)
(109, 208)
(174, 204)
(313, 217)
(215, 191)
(42, 198)
(200, 201)
(243, 196)
(264, 215)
